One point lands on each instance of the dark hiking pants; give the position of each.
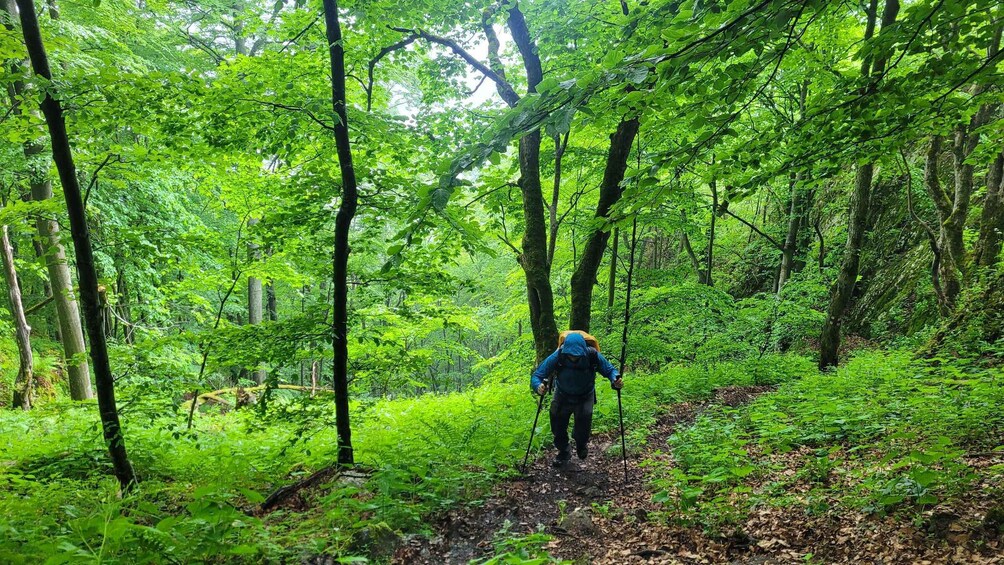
(563, 407)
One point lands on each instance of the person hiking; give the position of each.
(574, 365)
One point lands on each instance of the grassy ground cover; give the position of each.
(59, 503)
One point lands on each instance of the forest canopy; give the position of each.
(276, 275)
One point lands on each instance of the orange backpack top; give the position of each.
(590, 340)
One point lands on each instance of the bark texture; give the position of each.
(584, 277)
(24, 382)
(534, 259)
(255, 300)
(988, 246)
(343, 223)
(86, 272)
(843, 287)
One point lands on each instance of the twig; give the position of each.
(505, 89)
(280, 106)
(757, 230)
(94, 175)
(38, 306)
(372, 64)
(302, 32)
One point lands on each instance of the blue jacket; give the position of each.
(575, 377)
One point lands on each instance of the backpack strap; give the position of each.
(594, 359)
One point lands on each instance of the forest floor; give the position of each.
(593, 515)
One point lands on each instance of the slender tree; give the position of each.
(25, 380)
(343, 222)
(843, 288)
(255, 299)
(86, 271)
(797, 216)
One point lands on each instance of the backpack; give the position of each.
(590, 363)
(592, 347)
(590, 340)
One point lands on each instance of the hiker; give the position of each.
(574, 365)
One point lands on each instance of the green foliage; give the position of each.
(885, 433)
(428, 454)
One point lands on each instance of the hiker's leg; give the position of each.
(560, 413)
(583, 421)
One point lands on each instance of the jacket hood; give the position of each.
(574, 344)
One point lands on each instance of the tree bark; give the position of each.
(540, 297)
(254, 300)
(533, 259)
(840, 296)
(843, 287)
(71, 331)
(612, 280)
(559, 151)
(343, 223)
(953, 207)
(584, 276)
(86, 271)
(711, 234)
(24, 382)
(271, 307)
(796, 214)
(988, 246)
(791, 237)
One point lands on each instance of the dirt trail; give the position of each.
(544, 495)
(622, 524)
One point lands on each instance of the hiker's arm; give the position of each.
(544, 369)
(608, 371)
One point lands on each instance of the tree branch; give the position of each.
(383, 53)
(39, 306)
(505, 89)
(757, 230)
(279, 106)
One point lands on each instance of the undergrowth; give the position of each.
(886, 433)
(60, 503)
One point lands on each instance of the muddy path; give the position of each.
(596, 516)
(591, 510)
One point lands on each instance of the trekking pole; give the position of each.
(624, 338)
(540, 406)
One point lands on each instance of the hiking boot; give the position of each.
(582, 451)
(562, 458)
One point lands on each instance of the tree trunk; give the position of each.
(796, 214)
(559, 152)
(711, 234)
(843, 288)
(988, 246)
(592, 255)
(533, 259)
(71, 332)
(86, 271)
(254, 299)
(24, 383)
(540, 297)
(271, 307)
(612, 280)
(944, 277)
(953, 208)
(790, 248)
(343, 223)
